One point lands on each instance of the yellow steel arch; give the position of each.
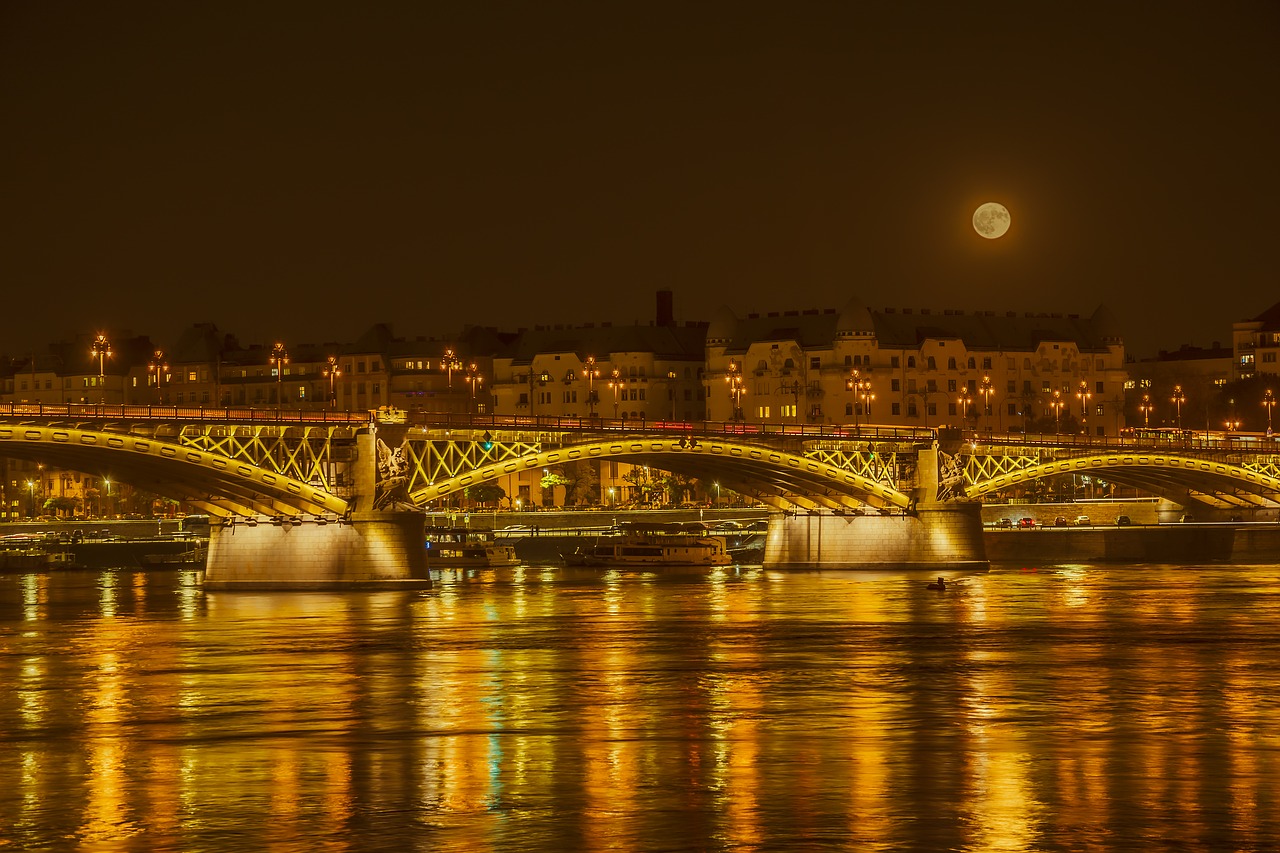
(779, 478)
(1217, 481)
(215, 483)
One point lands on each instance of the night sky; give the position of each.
(299, 172)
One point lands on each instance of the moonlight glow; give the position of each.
(991, 220)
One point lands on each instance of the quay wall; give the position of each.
(1163, 543)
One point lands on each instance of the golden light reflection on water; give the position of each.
(1079, 708)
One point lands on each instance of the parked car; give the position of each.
(1026, 523)
(1061, 521)
(1005, 522)
(1082, 521)
(1186, 516)
(1123, 521)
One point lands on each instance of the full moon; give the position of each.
(991, 220)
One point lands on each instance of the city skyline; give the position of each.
(303, 172)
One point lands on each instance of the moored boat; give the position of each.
(464, 547)
(638, 544)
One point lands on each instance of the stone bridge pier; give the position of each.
(932, 535)
(366, 549)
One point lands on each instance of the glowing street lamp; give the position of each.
(101, 350)
(1145, 407)
(157, 370)
(733, 377)
(986, 389)
(1178, 399)
(964, 404)
(279, 358)
(616, 383)
(106, 482)
(1057, 403)
(1084, 395)
(31, 490)
(475, 379)
(450, 363)
(593, 373)
(861, 389)
(332, 372)
(1269, 401)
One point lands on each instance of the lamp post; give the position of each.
(475, 379)
(450, 363)
(279, 358)
(1057, 403)
(101, 350)
(332, 372)
(1269, 401)
(733, 378)
(616, 383)
(1145, 407)
(593, 373)
(861, 389)
(31, 490)
(106, 482)
(1084, 394)
(157, 369)
(964, 404)
(986, 389)
(1178, 399)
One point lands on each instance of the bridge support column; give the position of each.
(936, 535)
(368, 550)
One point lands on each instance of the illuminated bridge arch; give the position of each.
(1208, 481)
(216, 484)
(774, 477)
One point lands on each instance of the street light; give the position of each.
(671, 390)
(1145, 407)
(474, 379)
(158, 369)
(279, 358)
(1268, 400)
(964, 404)
(863, 395)
(1178, 399)
(450, 363)
(593, 373)
(332, 372)
(106, 482)
(733, 377)
(616, 383)
(1057, 403)
(101, 350)
(1084, 394)
(986, 389)
(31, 490)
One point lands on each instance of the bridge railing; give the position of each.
(532, 423)
(221, 414)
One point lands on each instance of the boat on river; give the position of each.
(639, 544)
(464, 547)
(189, 559)
(35, 559)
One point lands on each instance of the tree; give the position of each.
(549, 481)
(486, 494)
(641, 483)
(61, 504)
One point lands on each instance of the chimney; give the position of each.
(666, 308)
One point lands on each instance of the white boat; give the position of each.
(638, 544)
(464, 547)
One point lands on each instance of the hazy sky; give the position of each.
(299, 172)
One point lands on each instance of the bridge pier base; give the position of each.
(376, 551)
(945, 536)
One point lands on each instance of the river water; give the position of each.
(1072, 708)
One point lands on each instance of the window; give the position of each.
(911, 385)
(1097, 387)
(762, 412)
(932, 364)
(933, 409)
(972, 364)
(1026, 364)
(787, 410)
(1026, 386)
(815, 362)
(986, 363)
(847, 361)
(895, 385)
(897, 408)
(894, 361)
(951, 363)
(1011, 387)
(377, 387)
(1013, 408)
(972, 385)
(932, 386)
(911, 409)
(848, 408)
(911, 361)
(951, 385)
(951, 408)
(790, 364)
